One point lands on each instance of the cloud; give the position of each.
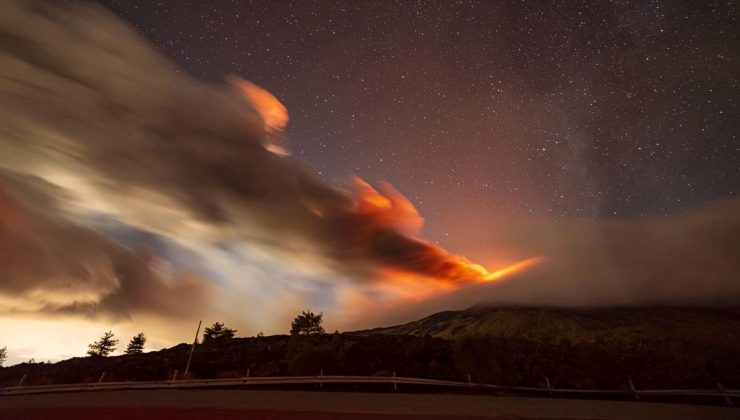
(89, 108)
(93, 121)
(50, 265)
(689, 259)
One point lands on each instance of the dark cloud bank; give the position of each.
(93, 120)
(690, 259)
(105, 124)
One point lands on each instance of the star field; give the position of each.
(483, 109)
(563, 154)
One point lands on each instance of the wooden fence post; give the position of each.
(102, 376)
(395, 385)
(23, 378)
(633, 388)
(727, 399)
(192, 349)
(549, 387)
(174, 375)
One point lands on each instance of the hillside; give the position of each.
(558, 325)
(279, 355)
(656, 347)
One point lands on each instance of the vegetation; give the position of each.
(217, 332)
(136, 345)
(264, 356)
(506, 361)
(596, 351)
(103, 347)
(307, 323)
(3, 355)
(579, 326)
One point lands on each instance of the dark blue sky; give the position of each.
(478, 109)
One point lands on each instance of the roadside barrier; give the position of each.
(394, 381)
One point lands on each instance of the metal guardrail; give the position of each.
(390, 380)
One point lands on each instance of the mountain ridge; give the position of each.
(659, 347)
(557, 324)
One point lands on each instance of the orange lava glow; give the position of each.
(273, 113)
(513, 269)
(385, 224)
(411, 267)
(388, 210)
(413, 287)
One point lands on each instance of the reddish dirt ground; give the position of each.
(198, 414)
(270, 404)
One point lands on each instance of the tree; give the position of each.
(217, 332)
(136, 345)
(104, 346)
(3, 355)
(307, 323)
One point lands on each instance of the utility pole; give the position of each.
(190, 357)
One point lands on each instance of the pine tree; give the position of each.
(307, 323)
(136, 345)
(217, 332)
(104, 346)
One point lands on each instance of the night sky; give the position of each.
(617, 109)
(562, 154)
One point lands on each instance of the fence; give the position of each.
(720, 392)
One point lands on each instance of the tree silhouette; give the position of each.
(136, 345)
(103, 347)
(217, 332)
(3, 355)
(307, 323)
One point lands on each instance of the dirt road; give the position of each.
(268, 404)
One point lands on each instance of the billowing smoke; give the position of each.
(49, 265)
(689, 259)
(93, 121)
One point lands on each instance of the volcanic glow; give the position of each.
(513, 268)
(412, 267)
(383, 223)
(269, 108)
(135, 197)
(272, 112)
(389, 209)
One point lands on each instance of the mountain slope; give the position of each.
(721, 326)
(591, 349)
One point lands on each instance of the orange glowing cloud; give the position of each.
(513, 268)
(273, 113)
(388, 223)
(389, 209)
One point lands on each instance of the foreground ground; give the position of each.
(657, 348)
(256, 404)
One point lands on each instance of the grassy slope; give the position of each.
(658, 347)
(554, 325)
(596, 348)
(260, 356)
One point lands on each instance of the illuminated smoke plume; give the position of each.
(688, 259)
(93, 121)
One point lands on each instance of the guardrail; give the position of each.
(726, 394)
